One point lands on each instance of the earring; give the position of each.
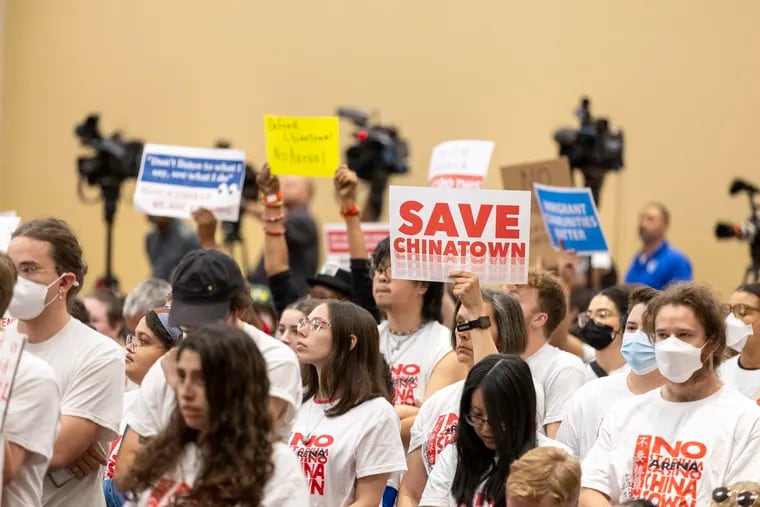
(60, 294)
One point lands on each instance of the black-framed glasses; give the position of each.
(383, 270)
(739, 309)
(475, 421)
(743, 498)
(315, 324)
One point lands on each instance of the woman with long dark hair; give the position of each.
(412, 339)
(218, 449)
(499, 409)
(347, 432)
(602, 327)
(472, 338)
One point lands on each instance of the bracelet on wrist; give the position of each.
(349, 212)
(273, 219)
(272, 200)
(275, 232)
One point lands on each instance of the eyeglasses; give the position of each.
(600, 315)
(134, 342)
(384, 270)
(475, 420)
(743, 498)
(740, 310)
(314, 324)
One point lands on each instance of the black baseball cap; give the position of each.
(203, 286)
(334, 277)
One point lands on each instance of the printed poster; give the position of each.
(336, 241)
(460, 164)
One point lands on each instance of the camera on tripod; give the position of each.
(745, 231)
(115, 160)
(379, 152)
(593, 148)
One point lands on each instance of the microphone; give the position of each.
(739, 185)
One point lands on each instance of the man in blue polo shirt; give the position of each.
(657, 264)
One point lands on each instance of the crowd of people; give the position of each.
(349, 387)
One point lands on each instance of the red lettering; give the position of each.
(405, 369)
(691, 450)
(498, 249)
(398, 245)
(441, 221)
(507, 221)
(408, 212)
(475, 227)
(315, 441)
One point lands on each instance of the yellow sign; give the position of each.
(302, 146)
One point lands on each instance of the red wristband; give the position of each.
(350, 212)
(280, 232)
(272, 200)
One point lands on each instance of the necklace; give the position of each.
(305, 439)
(397, 341)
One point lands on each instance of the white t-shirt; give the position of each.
(437, 491)
(745, 381)
(413, 362)
(31, 422)
(285, 488)
(129, 400)
(156, 402)
(586, 410)
(435, 426)
(89, 369)
(560, 374)
(675, 453)
(335, 451)
(591, 374)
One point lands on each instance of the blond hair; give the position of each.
(545, 472)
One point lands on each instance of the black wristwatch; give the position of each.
(479, 323)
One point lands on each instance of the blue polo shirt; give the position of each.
(665, 266)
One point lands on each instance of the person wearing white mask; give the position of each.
(742, 372)
(674, 445)
(88, 366)
(592, 402)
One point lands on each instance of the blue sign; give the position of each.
(571, 217)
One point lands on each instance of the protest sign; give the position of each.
(11, 347)
(460, 164)
(571, 217)
(336, 241)
(307, 146)
(522, 177)
(483, 231)
(174, 181)
(8, 224)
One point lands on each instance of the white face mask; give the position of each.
(29, 298)
(677, 360)
(737, 332)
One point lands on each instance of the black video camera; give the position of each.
(115, 160)
(593, 149)
(379, 152)
(746, 231)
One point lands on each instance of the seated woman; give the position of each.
(499, 408)
(346, 433)
(153, 337)
(436, 424)
(218, 449)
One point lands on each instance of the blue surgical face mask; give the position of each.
(638, 352)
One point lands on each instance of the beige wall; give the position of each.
(680, 76)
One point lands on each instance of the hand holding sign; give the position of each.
(302, 146)
(467, 290)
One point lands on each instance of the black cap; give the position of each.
(203, 286)
(334, 277)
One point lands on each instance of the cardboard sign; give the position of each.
(571, 217)
(10, 353)
(336, 241)
(522, 177)
(174, 181)
(8, 224)
(460, 164)
(482, 231)
(302, 146)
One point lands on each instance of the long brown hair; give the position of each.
(235, 447)
(350, 376)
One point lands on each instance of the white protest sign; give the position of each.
(11, 347)
(174, 181)
(8, 223)
(482, 231)
(460, 164)
(336, 241)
